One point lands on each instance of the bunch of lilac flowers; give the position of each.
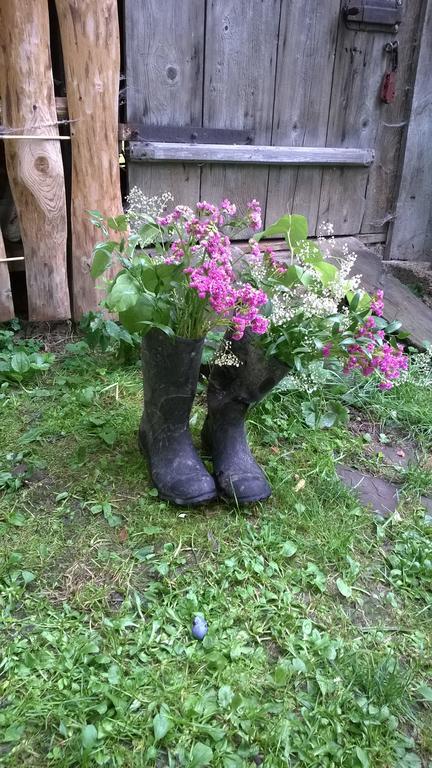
(200, 244)
(374, 354)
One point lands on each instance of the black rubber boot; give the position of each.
(231, 391)
(170, 375)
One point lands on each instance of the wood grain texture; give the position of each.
(234, 153)
(35, 167)
(240, 66)
(91, 52)
(392, 120)
(6, 302)
(164, 70)
(354, 114)
(410, 236)
(307, 43)
(400, 303)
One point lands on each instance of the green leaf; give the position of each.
(392, 327)
(362, 757)
(161, 726)
(225, 696)
(123, 294)
(20, 362)
(148, 233)
(101, 260)
(27, 576)
(141, 312)
(327, 271)
(344, 588)
(12, 733)
(293, 227)
(201, 755)
(310, 413)
(288, 549)
(96, 215)
(88, 736)
(118, 223)
(425, 693)
(113, 675)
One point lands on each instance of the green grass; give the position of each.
(319, 645)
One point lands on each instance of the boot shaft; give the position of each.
(170, 369)
(234, 388)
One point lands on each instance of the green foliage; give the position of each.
(318, 651)
(107, 335)
(21, 359)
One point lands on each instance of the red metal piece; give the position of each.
(388, 87)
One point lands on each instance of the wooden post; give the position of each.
(35, 167)
(6, 302)
(91, 52)
(410, 233)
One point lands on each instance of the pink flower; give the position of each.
(377, 304)
(229, 208)
(254, 214)
(327, 349)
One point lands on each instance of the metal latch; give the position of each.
(373, 15)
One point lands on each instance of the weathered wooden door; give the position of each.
(290, 73)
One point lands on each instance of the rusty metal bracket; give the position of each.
(373, 15)
(139, 132)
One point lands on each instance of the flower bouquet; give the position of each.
(279, 314)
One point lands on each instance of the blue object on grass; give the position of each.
(199, 627)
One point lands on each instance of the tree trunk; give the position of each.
(35, 167)
(91, 52)
(6, 303)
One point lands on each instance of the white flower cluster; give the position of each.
(140, 207)
(225, 355)
(308, 381)
(317, 300)
(420, 370)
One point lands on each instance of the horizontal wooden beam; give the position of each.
(253, 155)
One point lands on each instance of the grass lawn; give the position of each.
(319, 645)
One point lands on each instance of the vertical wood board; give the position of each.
(35, 166)
(410, 236)
(240, 66)
(355, 111)
(307, 46)
(381, 192)
(6, 301)
(91, 51)
(164, 71)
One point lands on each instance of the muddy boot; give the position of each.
(231, 391)
(170, 375)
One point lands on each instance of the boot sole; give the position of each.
(242, 499)
(191, 502)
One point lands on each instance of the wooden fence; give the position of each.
(277, 100)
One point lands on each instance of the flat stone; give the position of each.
(371, 491)
(375, 492)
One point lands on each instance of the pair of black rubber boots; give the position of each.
(170, 375)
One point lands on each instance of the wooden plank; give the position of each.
(28, 136)
(256, 155)
(354, 114)
(410, 236)
(381, 192)
(6, 302)
(184, 135)
(164, 70)
(91, 52)
(35, 167)
(240, 65)
(400, 303)
(307, 43)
